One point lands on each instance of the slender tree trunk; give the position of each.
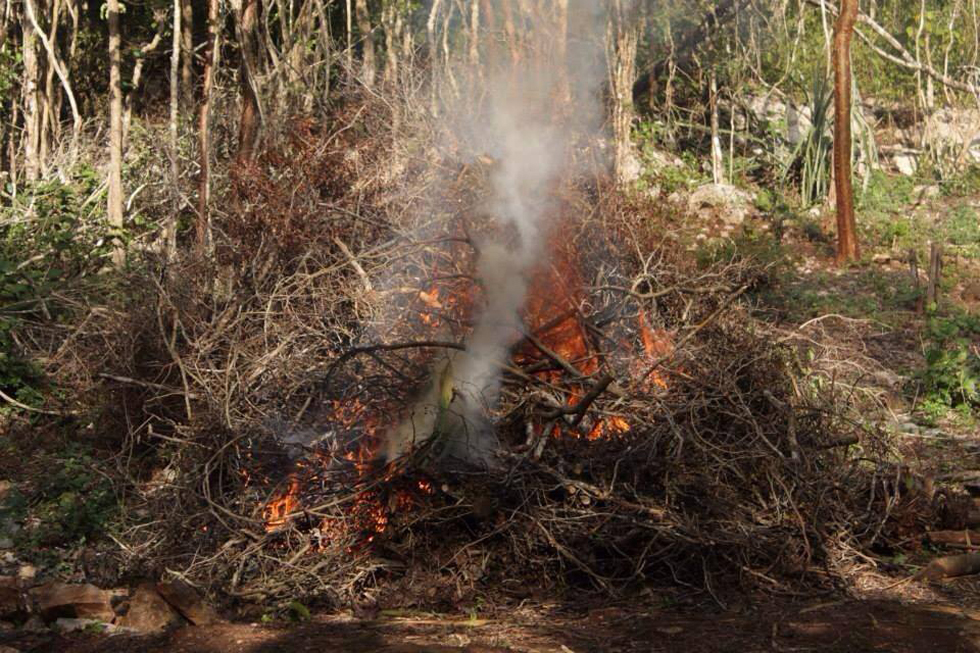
(717, 157)
(474, 49)
(365, 31)
(847, 244)
(170, 229)
(115, 209)
(433, 52)
(622, 40)
(391, 23)
(250, 121)
(349, 15)
(32, 122)
(187, 48)
(204, 133)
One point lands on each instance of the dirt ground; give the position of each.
(832, 626)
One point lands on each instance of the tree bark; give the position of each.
(622, 40)
(717, 157)
(170, 228)
(365, 31)
(474, 37)
(250, 121)
(847, 244)
(203, 230)
(32, 122)
(433, 53)
(115, 209)
(187, 47)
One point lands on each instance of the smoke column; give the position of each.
(533, 111)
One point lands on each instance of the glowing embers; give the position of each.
(658, 345)
(278, 510)
(609, 427)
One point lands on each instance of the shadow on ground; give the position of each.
(840, 626)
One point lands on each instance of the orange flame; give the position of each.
(278, 510)
(657, 343)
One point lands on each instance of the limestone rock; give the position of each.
(86, 601)
(185, 600)
(149, 612)
(732, 205)
(905, 163)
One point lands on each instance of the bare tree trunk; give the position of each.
(717, 157)
(433, 52)
(510, 31)
(187, 47)
(474, 50)
(204, 133)
(170, 228)
(115, 209)
(32, 122)
(349, 14)
(324, 38)
(561, 52)
(365, 31)
(622, 40)
(12, 147)
(250, 121)
(391, 22)
(847, 244)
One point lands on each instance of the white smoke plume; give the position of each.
(532, 114)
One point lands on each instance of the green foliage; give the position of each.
(11, 60)
(669, 176)
(50, 234)
(963, 183)
(951, 377)
(72, 504)
(963, 226)
(298, 611)
(885, 193)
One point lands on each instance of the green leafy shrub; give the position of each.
(963, 226)
(951, 378)
(885, 193)
(51, 234)
(963, 183)
(72, 504)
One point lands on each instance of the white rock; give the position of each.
(906, 163)
(733, 205)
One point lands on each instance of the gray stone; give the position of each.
(906, 163)
(926, 192)
(732, 205)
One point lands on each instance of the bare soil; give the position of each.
(844, 626)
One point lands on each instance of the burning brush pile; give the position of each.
(503, 374)
(629, 424)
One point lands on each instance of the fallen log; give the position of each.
(965, 564)
(964, 537)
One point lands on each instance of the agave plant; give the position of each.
(812, 155)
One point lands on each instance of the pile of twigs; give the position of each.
(257, 392)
